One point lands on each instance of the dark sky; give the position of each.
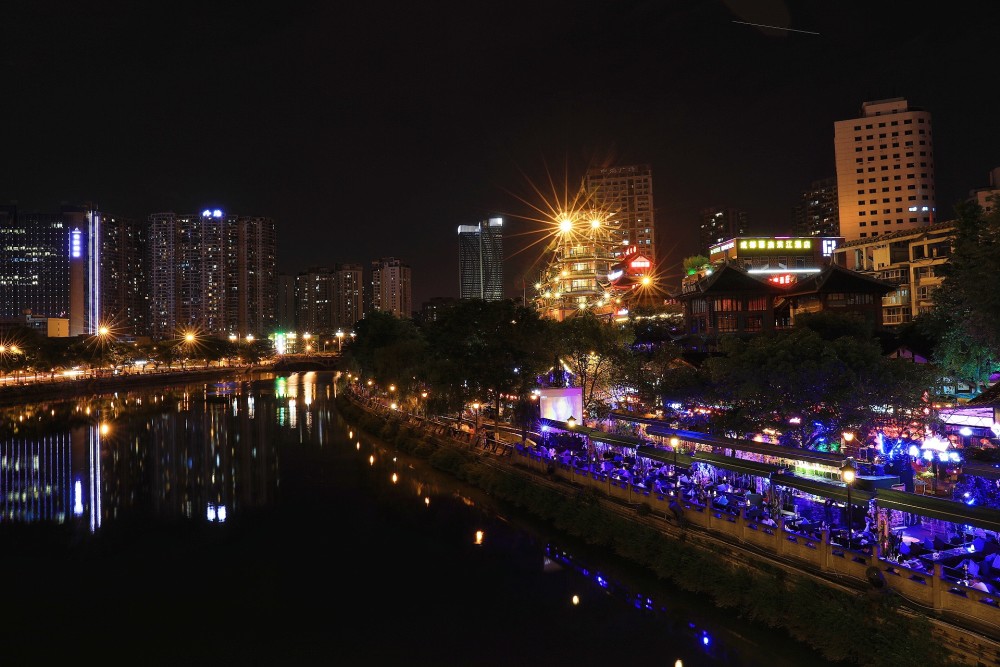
(375, 129)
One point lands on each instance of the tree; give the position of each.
(387, 348)
(694, 264)
(595, 351)
(965, 321)
(485, 350)
(811, 389)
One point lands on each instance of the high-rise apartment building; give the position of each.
(885, 170)
(390, 288)
(285, 303)
(816, 211)
(348, 295)
(211, 272)
(480, 260)
(627, 193)
(328, 299)
(720, 223)
(123, 287)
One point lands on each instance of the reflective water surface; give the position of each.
(245, 522)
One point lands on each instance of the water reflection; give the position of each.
(198, 452)
(331, 508)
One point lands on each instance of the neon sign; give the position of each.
(776, 244)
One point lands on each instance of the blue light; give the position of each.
(75, 244)
(216, 213)
(206, 213)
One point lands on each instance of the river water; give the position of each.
(245, 522)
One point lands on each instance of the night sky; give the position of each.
(375, 129)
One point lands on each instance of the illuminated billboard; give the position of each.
(561, 403)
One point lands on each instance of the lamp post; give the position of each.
(674, 443)
(340, 340)
(475, 406)
(847, 471)
(848, 438)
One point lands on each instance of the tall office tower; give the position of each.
(885, 170)
(34, 264)
(480, 260)
(627, 192)
(123, 288)
(988, 198)
(49, 264)
(211, 272)
(390, 287)
(816, 211)
(718, 224)
(284, 302)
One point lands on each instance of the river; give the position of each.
(245, 522)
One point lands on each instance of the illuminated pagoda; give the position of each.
(582, 253)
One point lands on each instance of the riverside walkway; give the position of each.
(964, 619)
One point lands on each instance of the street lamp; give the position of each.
(848, 438)
(848, 472)
(674, 443)
(475, 406)
(571, 422)
(340, 340)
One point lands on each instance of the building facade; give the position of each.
(985, 197)
(480, 260)
(212, 273)
(783, 260)
(329, 299)
(390, 287)
(719, 223)
(885, 170)
(627, 193)
(123, 287)
(816, 213)
(909, 260)
(50, 265)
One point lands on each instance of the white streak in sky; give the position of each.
(774, 27)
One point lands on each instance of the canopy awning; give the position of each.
(563, 426)
(741, 466)
(822, 487)
(616, 438)
(939, 508)
(766, 448)
(664, 456)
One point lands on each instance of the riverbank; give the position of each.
(47, 388)
(855, 622)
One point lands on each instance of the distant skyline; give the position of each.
(375, 131)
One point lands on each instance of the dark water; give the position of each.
(247, 524)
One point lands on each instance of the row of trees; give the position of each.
(26, 351)
(827, 376)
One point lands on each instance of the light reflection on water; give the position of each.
(434, 557)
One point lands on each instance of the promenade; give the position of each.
(963, 618)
